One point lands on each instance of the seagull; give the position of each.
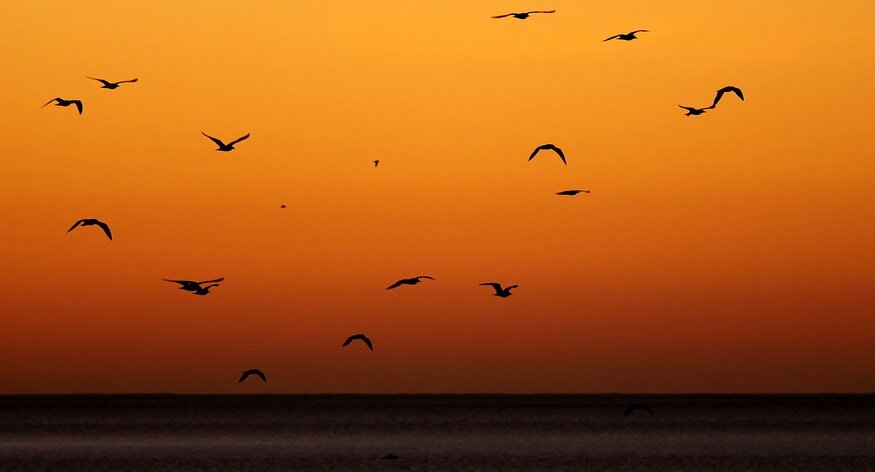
(191, 285)
(626, 37)
(359, 336)
(111, 85)
(92, 222)
(204, 290)
(501, 292)
(524, 15)
(376, 163)
(571, 192)
(694, 111)
(637, 406)
(65, 103)
(222, 146)
(729, 88)
(550, 147)
(249, 372)
(412, 281)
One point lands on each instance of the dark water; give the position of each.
(438, 432)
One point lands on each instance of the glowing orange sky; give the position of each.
(727, 252)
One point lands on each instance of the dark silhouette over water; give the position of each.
(255, 372)
(225, 147)
(111, 85)
(65, 103)
(636, 407)
(412, 281)
(191, 285)
(92, 222)
(501, 292)
(571, 192)
(626, 37)
(524, 15)
(724, 90)
(361, 337)
(548, 147)
(694, 110)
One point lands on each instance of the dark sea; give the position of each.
(437, 432)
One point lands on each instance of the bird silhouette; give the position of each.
(571, 192)
(635, 407)
(412, 281)
(726, 89)
(92, 222)
(204, 290)
(191, 285)
(524, 15)
(360, 336)
(222, 146)
(249, 372)
(694, 111)
(549, 147)
(501, 292)
(282, 206)
(376, 163)
(65, 103)
(111, 85)
(626, 37)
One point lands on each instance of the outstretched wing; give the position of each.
(540, 11)
(537, 149)
(208, 281)
(396, 284)
(509, 287)
(181, 282)
(261, 374)
(348, 340)
(217, 141)
(504, 16)
(104, 82)
(425, 277)
(78, 104)
(126, 81)
(368, 342)
(105, 228)
(559, 151)
(75, 225)
(639, 31)
(735, 90)
(687, 108)
(494, 285)
(243, 376)
(612, 37)
(238, 140)
(56, 99)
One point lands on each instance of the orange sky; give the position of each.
(726, 252)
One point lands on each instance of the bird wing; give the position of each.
(105, 228)
(75, 225)
(260, 374)
(540, 11)
(181, 282)
(208, 281)
(56, 99)
(238, 140)
(537, 150)
(348, 340)
(367, 341)
(738, 92)
(243, 376)
(126, 81)
(78, 104)
(718, 97)
(218, 142)
(612, 37)
(425, 277)
(396, 284)
(559, 151)
(687, 108)
(504, 16)
(510, 287)
(639, 31)
(104, 82)
(495, 285)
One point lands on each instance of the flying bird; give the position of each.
(282, 206)
(92, 222)
(249, 372)
(694, 110)
(637, 406)
(729, 88)
(549, 147)
(204, 290)
(65, 103)
(571, 192)
(191, 285)
(225, 147)
(626, 37)
(111, 85)
(501, 292)
(524, 15)
(412, 281)
(376, 163)
(360, 336)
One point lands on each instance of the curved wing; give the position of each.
(425, 277)
(395, 285)
(75, 225)
(559, 151)
(104, 82)
(505, 16)
(612, 37)
(217, 141)
(510, 287)
(78, 104)
(238, 140)
(56, 99)
(349, 340)
(126, 81)
(540, 11)
(105, 228)
(367, 341)
(639, 31)
(243, 376)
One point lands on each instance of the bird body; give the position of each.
(626, 37)
(111, 85)
(92, 222)
(571, 192)
(635, 407)
(204, 290)
(191, 285)
(730, 88)
(222, 146)
(500, 292)
(524, 15)
(255, 372)
(360, 337)
(60, 102)
(694, 111)
(411, 281)
(549, 147)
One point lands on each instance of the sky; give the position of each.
(728, 252)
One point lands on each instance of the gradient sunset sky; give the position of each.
(728, 252)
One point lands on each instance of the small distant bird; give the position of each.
(204, 290)
(111, 85)
(637, 406)
(282, 206)
(376, 163)
(413, 281)
(501, 292)
(249, 372)
(225, 147)
(549, 147)
(694, 111)
(626, 37)
(65, 103)
(191, 285)
(360, 336)
(729, 88)
(390, 457)
(92, 222)
(524, 15)
(571, 192)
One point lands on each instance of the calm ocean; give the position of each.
(438, 432)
